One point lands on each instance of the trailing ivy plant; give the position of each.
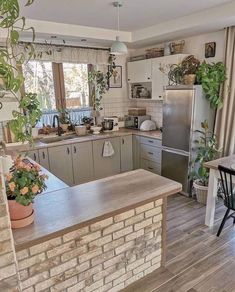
(11, 78)
(211, 77)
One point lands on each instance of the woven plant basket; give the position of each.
(201, 192)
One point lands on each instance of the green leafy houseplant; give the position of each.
(24, 182)
(11, 78)
(64, 117)
(211, 77)
(206, 151)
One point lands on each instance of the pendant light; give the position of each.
(118, 47)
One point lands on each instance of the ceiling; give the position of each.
(134, 15)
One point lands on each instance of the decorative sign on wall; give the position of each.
(115, 80)
(210, 50)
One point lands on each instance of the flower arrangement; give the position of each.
(24, 181)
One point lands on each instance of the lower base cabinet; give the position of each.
(126, 153)
(61, 163)
(82, 155)
(106, 166)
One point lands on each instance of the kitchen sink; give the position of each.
(48, 140)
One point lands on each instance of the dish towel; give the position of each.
(108, 149)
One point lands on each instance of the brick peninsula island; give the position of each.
(98, 236)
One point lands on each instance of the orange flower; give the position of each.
(12, 186)
(9, 176)
(35, 189)
(24, 191)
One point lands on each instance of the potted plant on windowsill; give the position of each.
(23, 183)
(64, 119)
(206, 151)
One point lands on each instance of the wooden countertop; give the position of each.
(90, 137)
(68, 209)
(225, 161)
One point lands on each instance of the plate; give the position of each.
(233, 166)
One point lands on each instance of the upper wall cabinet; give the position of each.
(139, 71)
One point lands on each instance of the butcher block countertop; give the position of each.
(68, 209)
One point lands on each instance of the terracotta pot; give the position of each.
(189, 79)
(18, 211)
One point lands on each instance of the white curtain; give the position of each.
(68, 54)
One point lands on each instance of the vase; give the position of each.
(64, 127)
(20, 215)
(189, 79)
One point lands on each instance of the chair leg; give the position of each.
(233, 220)
(223, 222)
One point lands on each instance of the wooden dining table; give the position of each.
(213, 185)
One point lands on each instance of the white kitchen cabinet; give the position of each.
(126, 153)
(106, 166)
(139, 71)
(82, 162)
(61, 164)
(160, 77)
(136, 151)
(44, 158)
(33, 154)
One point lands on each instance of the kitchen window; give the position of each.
(58, 85)
(39, 79)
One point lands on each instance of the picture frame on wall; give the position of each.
(210, 50)
(115, 81)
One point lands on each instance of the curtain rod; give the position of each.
(68, 46)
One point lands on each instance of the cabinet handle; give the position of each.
(151, 153)
(43, 155)
(34, 156)
(68, 150)
(160, 96)
(148, 78)
(74, 149)
(150, 141)
(150, 168)
(128, 79)
(123, 141)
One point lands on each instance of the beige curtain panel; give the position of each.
(225, 121)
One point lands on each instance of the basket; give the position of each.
(201, 192)
(154, 53)
(178, 47)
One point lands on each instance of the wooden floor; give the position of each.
(197, 260)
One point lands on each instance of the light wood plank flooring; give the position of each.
(197, 260)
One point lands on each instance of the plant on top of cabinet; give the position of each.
(23, 183)
(206, 151)
(190, 66)
(11, 78)
(211, 77)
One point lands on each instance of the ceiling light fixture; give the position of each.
(118, 47)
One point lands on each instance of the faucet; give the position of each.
(56, 117)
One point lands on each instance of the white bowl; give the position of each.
(96, 129)
(80, 130)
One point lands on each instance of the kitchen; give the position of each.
(120, 156)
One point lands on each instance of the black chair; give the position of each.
(227, 175)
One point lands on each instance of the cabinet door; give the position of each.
(82, 162)
(136, 151)
(106, 166)
(158, 79)
(33, 155)
(60, 159)
(139, 71)
(43, 158)
(126, 153)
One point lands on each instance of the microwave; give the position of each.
(134, 122)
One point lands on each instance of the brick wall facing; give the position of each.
(105, 256)
(8, 265)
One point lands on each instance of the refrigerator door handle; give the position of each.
(176, 151)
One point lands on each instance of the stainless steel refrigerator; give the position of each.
(184, 108)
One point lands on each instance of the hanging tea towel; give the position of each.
(108, 149)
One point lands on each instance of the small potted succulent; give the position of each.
(23, 183)
(206, 151)
(190, 66)
(64, 118)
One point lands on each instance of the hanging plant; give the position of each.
(211, 77)
(11, 78)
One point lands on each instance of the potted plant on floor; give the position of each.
(23, 183)
(206, 151)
